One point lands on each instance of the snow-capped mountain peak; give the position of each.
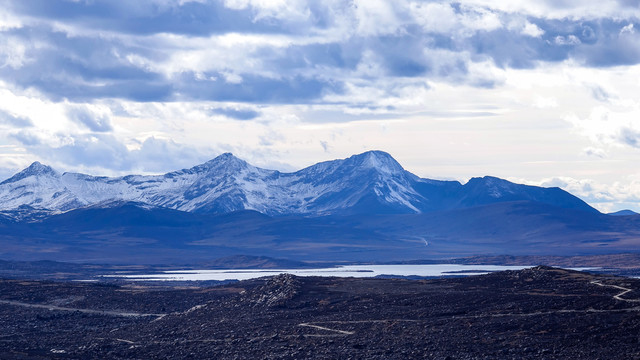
(226, 160)
(376, 159)
(35, 169)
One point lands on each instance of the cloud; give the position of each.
(575, 10)
(90, 119)
(435, 17)
(255, 89)
(600, 93)
(289, 52)
(595, 152)
(628, 29)
(629, 136)
(145, 17)
(14, 120)
(27, 138)
(12, 52)
(237, 113)
(82, 67)
(605, 197)
(158, 155)
(325, 146)
(610, 126)
(532, 30)
(377, 17)
(98, 153)
(93, 151)
(566, 40)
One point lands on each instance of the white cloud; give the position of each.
(567, 40)
(572, 9)
(606, 127)
(46, 115)
(480, 18)
(606, 197)
(442, 18)
(628, 29)
(9, 21)
(229, 53)
(291, 11)
(12, 52)
(532, 30)
(376, 17)
(435, 17)
(545, 102)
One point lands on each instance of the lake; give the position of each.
(342, 271)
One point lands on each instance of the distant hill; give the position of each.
(624, 213)
(138, 233)
(253, 262)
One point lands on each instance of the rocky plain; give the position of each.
(536, 313)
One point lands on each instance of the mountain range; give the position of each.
(369, 183)
(363, 208)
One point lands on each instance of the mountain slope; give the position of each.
(369, 183)
(138, 233)
(490, 190)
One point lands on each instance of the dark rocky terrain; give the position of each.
(529, 314)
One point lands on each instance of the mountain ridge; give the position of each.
(372, 182)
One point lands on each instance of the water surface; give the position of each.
(361, 271)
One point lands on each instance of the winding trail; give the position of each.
(619, 296)
(84, 311)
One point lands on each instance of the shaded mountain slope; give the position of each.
(131, 232)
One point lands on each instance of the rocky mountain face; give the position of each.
(369, 183)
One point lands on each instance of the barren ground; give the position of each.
(529, 314)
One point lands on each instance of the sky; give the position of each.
(538, 92)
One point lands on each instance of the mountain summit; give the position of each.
(369, 183)
(35, 169)
(377, 160)
(226, 162)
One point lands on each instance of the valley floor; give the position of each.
(527, 314)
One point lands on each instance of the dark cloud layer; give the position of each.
(253, 89)
(236, 113)
(90, 57)
(147, 17)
